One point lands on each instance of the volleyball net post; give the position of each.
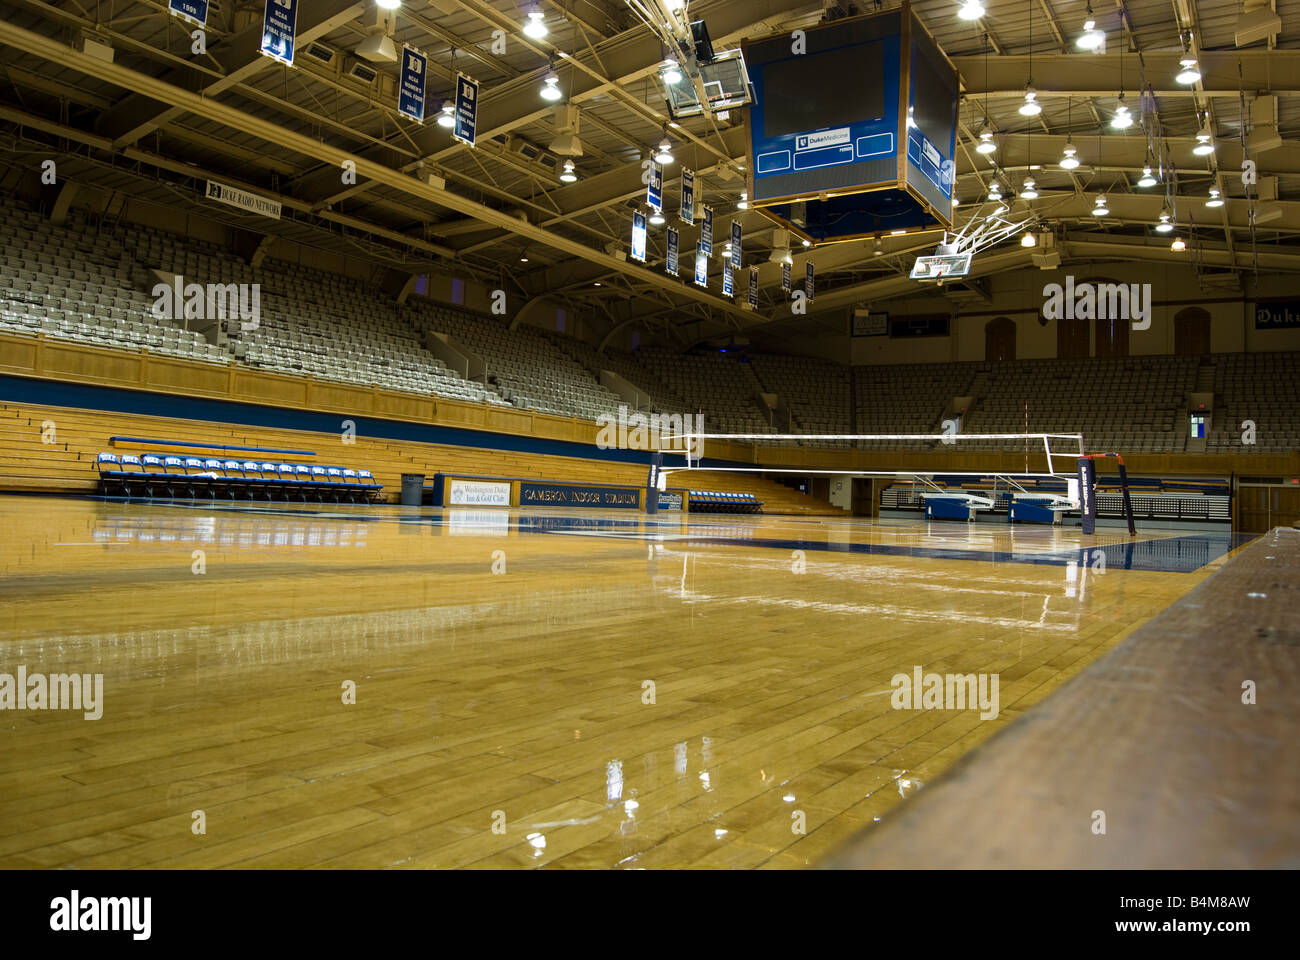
(1088, 491)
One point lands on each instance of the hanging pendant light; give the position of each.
(1148, 178)
(1100, 209)
(1215, 199)
(986, 144)
(1028, 189)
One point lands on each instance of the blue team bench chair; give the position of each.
(174, 475)
(713, 501)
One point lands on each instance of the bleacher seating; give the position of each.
(715, 501)
(815, 391)
(722, 388)
(178, 476)
(1262, 388)
(907, 398)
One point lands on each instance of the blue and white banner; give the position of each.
(785, 276)
(466, 109)
(410, 89)
(701, 267)
(688, 197)
(753, 288)
(278, 24)
(809, 281)
(638, 236)
(728, 279)
(671, 266)
(196, 10)
(706, 232)
(654, 194)
(736, 261)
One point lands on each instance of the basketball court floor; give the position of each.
(554, 688)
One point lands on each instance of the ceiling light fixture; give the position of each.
(1069, 161)
(447, 116)
(1164, 226)
(1204, 143)
(1027, 191)
(1028, 239)
(1215, 199)
(986, 144)
(1031, 107)
(1188, 75)
(1100, 209)
(551, 87)
(1179, 245)
(1148, 178)
(664, 152)
(1091, 38)
(657, 218)
(672, 72)
(569, 175)
(1122, 119)
(743, 203)
(971, 10)
(536, 25)
(388, 4)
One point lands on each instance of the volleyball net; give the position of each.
(1052, 472)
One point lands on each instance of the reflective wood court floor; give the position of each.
(560, 689)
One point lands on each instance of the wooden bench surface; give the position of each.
(1155, 736)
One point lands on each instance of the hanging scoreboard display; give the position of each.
(855, 136)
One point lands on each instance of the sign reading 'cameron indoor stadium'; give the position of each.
(564, 495)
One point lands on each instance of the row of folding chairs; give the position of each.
(710, 501)
(155, 476)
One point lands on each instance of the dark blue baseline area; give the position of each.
(81, 396)
(1184, 554)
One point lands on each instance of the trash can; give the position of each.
(412, 489)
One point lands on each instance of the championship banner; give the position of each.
(728, 278)
(195, 10)
(410, 88)
(638, 236)
(466, 110)
(735, 245)
(701, 267)
(249, 202)
(655, 191)
(688, 197)
(706, 232)
(671, 265)
(278, 24)
(809, 281)
(753, 288)
(785, 276)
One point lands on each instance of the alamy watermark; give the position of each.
(179, 300)
(55, 691)
(1098, 301)
(654, 431)
(946, 691)
(75, 913)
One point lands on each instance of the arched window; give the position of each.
(1191, 331)
(1000, 339)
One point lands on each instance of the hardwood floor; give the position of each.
(672, 693)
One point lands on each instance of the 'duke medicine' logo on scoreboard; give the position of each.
(827, 138)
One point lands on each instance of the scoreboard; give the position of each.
(853, 128)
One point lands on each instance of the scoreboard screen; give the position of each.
(853, 128)
(807, 93)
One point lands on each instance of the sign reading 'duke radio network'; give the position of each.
(196, 10)
(278, 26)
(250, 202)
(410, 92)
